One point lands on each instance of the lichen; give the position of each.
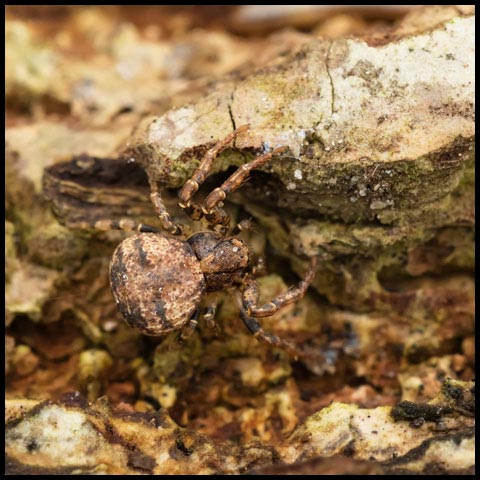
(377, 182)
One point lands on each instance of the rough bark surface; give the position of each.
(374, 131)
(377, 182)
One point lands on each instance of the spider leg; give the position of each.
(190, 326)
(251, 294)
(200, 174)
(218, 217)
(268, 338)
(105, 225)
(211, 205)
(163, 215)
(209, 314)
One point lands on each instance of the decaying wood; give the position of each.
(123, 441)
(377, 181)
(375, 130)
(379, 132)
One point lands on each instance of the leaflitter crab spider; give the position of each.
(159, 281)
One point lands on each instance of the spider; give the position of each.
(159, 281)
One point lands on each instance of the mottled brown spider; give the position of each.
(159, 282)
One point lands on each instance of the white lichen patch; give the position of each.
(399, 83)
(328, 432)
(378, 436)
(56, 436)
(449, 454)
(400, 86)
(374, 433)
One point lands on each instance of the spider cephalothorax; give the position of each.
(160, 281)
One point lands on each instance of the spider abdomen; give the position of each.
(157, 282)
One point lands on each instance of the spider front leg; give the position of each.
(200, 174)
(212, 205)
(251, 294)
(165, 218)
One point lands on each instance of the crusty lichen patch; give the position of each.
(343, 108)
(380, 434)
(447, 454)
(121, 442)
(378, 182)
(39, 440)
(73, 434)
